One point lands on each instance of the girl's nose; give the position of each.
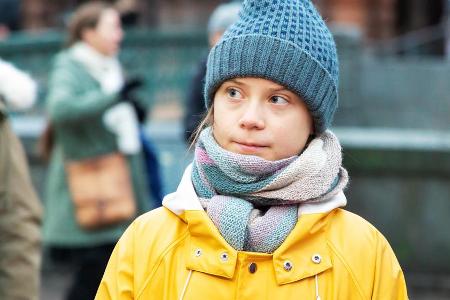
(252, 117)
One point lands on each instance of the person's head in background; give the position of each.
(129, 12)
(9, 17)
(222, 17)
(98, 25)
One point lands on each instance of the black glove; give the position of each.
(140, 110)
(129, 87)
(127, 95)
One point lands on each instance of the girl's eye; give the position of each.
(234, 93)
(278, 100)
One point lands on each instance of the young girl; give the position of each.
(258, 213)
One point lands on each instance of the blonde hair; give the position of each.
(207, 120)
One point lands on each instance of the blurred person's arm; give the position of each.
(67, 100)
(17, 88)
(20, 221)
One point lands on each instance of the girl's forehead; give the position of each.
(255, 81)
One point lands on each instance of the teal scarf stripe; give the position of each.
(201, 186)
(223, 212)
(225, 185)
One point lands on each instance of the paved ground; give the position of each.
(54, 282)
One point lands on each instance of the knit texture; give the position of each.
(254, 202)
(283, 41)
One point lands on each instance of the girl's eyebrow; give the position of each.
(236, 81)
(280, 89)
(273, 89)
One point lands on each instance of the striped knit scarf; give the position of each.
(254, 202)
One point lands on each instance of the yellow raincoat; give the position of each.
(176, 252)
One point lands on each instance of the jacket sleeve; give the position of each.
(20, 220)
(389, 282)
(66, 99)
(118, 280)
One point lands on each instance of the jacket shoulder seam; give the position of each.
(347, 267)
(159, 260)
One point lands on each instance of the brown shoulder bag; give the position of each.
(101, 190)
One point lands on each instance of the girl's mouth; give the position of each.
(249, 148)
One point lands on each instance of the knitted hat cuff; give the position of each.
(279, 61)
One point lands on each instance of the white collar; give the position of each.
(105, 69)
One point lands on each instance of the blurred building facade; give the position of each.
(41, 14)
(385, 21)
(377, 19)
(384, 18)
(418, 24)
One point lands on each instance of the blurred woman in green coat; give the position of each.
(89, 119)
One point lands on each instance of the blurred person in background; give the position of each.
(20, 208)
(92, 114)
(222, 17)
(129, 16)
(129, 12)
(9, 17)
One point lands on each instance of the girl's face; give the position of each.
(256, 116)
(108, 34)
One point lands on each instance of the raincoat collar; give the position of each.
(305, 250)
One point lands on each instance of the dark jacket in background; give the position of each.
(195, 103)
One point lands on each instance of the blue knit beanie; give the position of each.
(285, 41)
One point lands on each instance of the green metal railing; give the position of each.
(166, 60)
